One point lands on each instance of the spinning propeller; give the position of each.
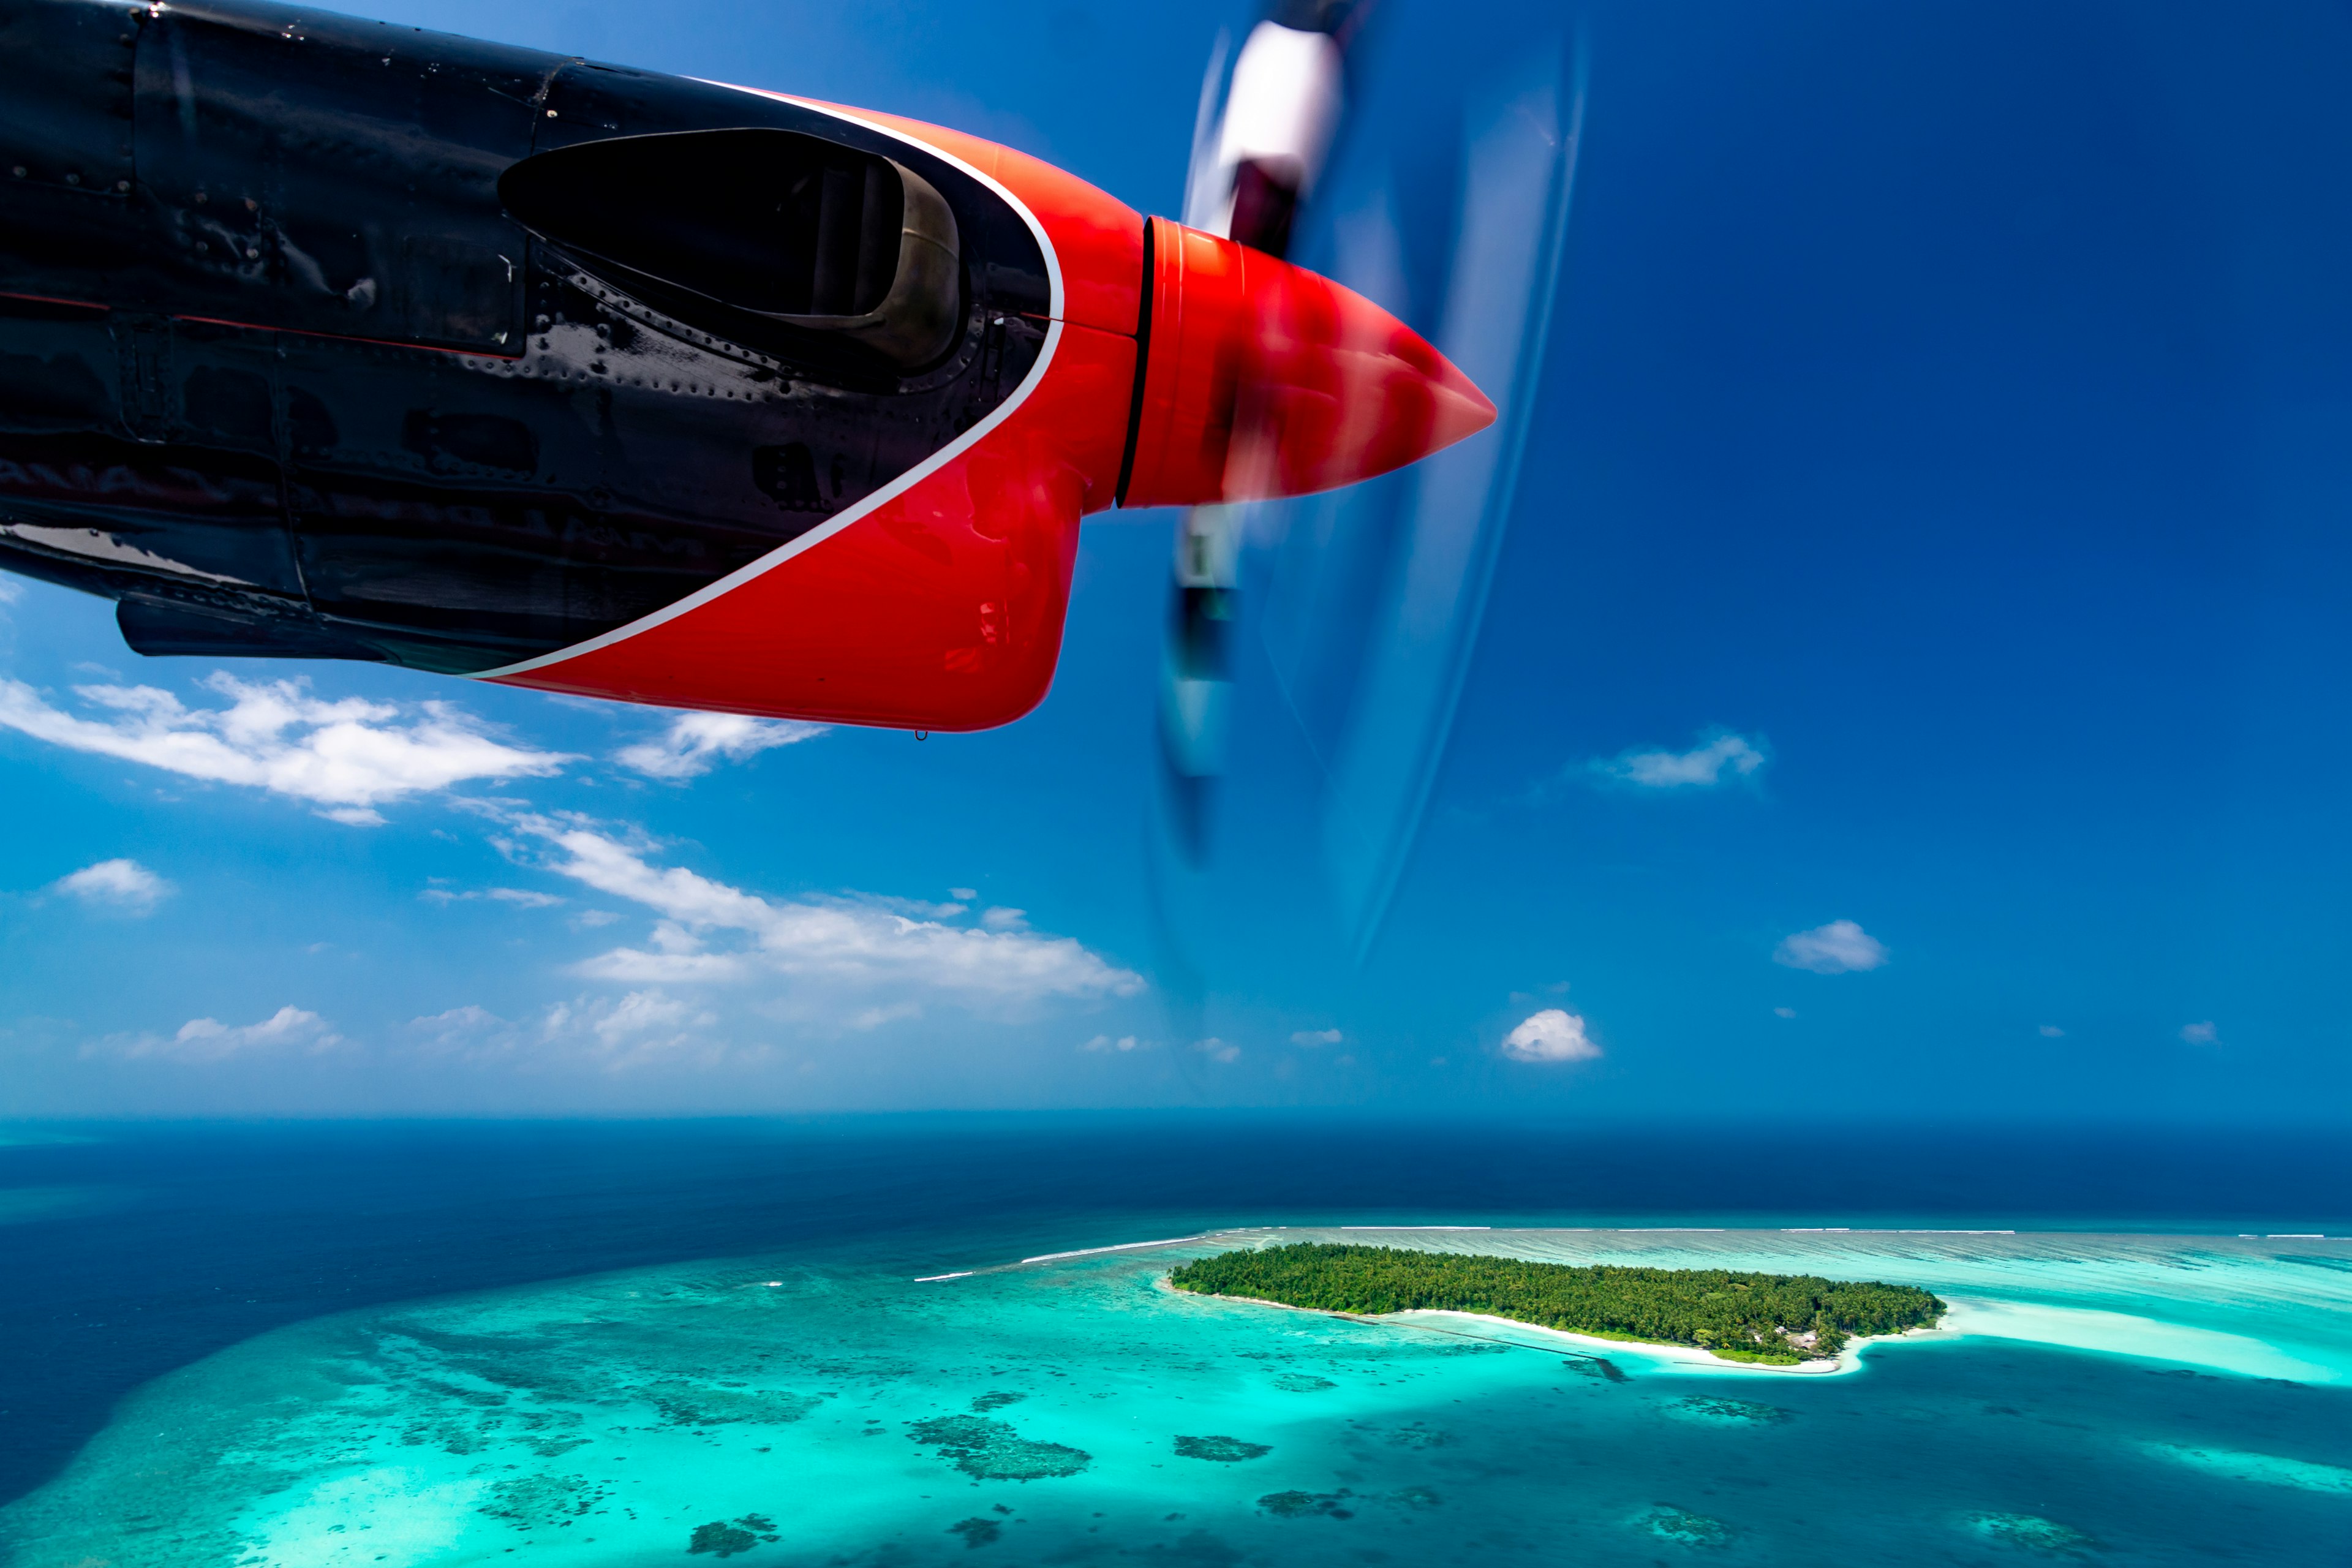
(1358, 608)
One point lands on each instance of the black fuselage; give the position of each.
(331, 338)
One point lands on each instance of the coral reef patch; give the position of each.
(530, 1502)
(1727, 1412)
(977, 1531)
(1223, 1450)
(992, 1451)
(1684, 1528)
(708, 1405)
(1305, 1505)
(1302, 1383)
(2029, 1532)
(1419, 1437)
(721, 1538)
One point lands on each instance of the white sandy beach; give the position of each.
(2122, 1333)
(1676, 1357)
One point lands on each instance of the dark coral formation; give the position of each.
(992, 1451)
(1419, 1437)
(995, 1399)
(1302, 1383)
(721, 1538)
(1732, 1412)
(2025, 1532)
(705, 1404)
(1304, 1505)
(1222, 1450)
(528, 1502)
(1684, 1528)
(977, 1531)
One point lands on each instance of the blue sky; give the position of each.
(1913, 680)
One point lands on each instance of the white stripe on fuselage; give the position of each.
(888, 493)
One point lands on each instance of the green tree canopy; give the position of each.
(1777, 1317)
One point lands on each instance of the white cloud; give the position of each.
(920, 909)
(965, 895)
(696, 743)
(646, 1013)
(1784, 1011)
(1840, 947)
(10, 590)
(1217, 1050)
(459, 1028)
(836, 944)
(1316, 1037)
(875, 1017)
(2203, 1034)
(122, 885)
(1702, 767)
(1104, 1043)
(1005, 920)
(346, 757)
(290, 1030)
(2053, 1032)
(642, 1029)
(521, 898)
(1554, 1034)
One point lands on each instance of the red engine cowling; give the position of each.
(1179, 365)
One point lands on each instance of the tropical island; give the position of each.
(1779, 1320)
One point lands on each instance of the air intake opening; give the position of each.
(829, 244)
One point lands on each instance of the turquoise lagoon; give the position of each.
(2111, 1399)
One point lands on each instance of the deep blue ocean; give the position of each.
(135, 1251)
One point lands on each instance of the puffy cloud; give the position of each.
(964, 895)
(1554, 1034)
(708, 930)
(645, 1020)
(290, 1030)
(1218, 1051)
(1840, 947)
(696, 743)
(2053, 1032)
(2203, 1034)
(644, 1028)
(1784, 1011)
(1316, 1037)
(345, 757)
(1005, 920)
(1104, 1043)
(1702, 767)
(122, 885)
